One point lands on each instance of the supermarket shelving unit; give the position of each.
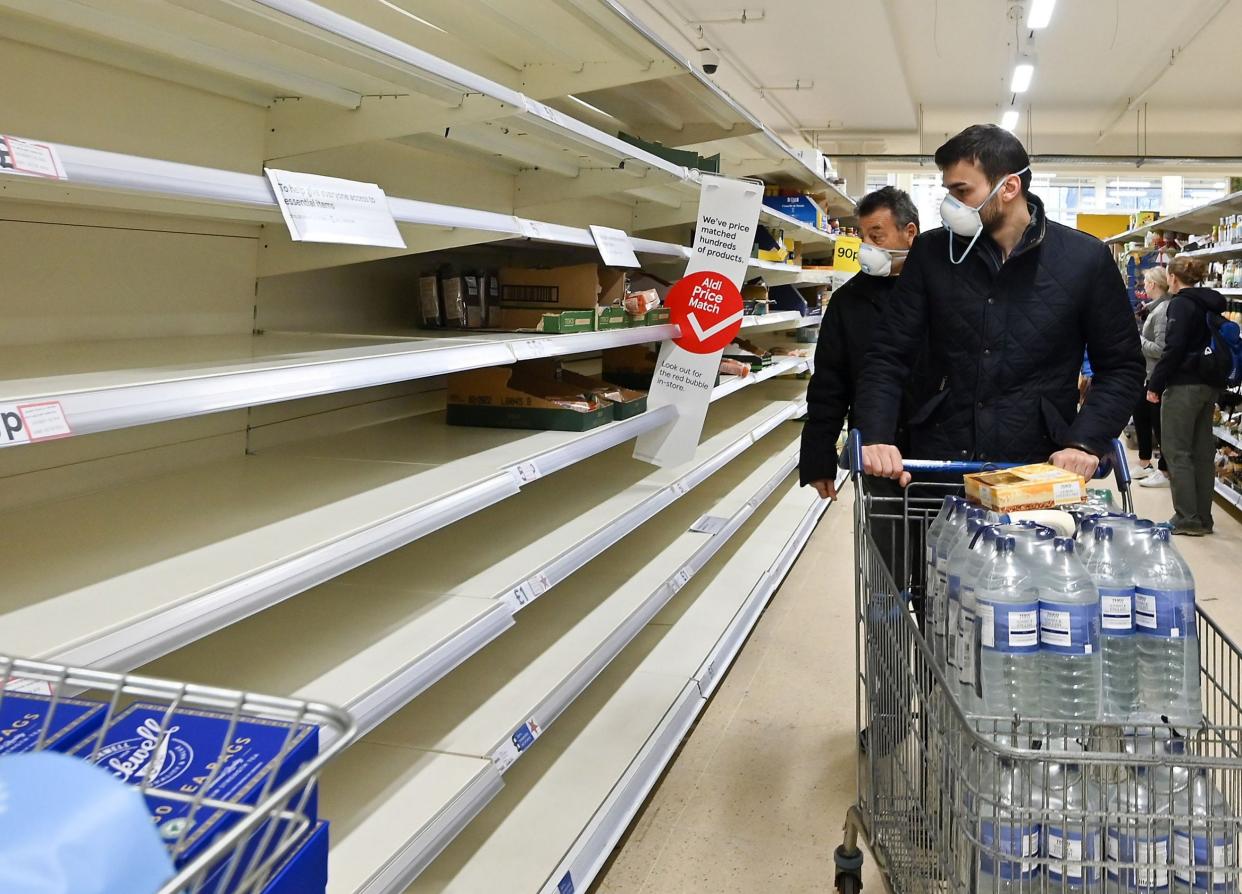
(1192, 221)
(259, 463)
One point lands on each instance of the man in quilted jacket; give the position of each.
(1008, 301)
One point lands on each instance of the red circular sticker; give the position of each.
(708, 308)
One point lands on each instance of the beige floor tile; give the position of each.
(693, 861)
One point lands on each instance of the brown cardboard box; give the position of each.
(526, 294)
(627, 402)
(523, 396)
(633, 366)
(1037, 486)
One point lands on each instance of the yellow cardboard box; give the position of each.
(1038, 486)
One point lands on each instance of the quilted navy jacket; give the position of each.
(1009, 337)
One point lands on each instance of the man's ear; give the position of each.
(912, 230)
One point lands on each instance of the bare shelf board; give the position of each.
(569, 766)
(418, 612)
(1195, 221)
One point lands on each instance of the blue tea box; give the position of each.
(303, 871)
(22, 716)
(183, 756)
(802, 208)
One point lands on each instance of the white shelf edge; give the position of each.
(590, 851)
(405, 866)
(1228, 493)
(1225, 436)
(552, 705)
(1171, 223)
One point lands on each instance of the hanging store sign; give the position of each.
(331, 210)
(616, 249)
(707, 306)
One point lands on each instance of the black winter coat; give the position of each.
(1185, 338)
(845, 334)
(1009, 337)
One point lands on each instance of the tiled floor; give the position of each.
(756, 799)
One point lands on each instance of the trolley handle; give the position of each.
(1115, 464)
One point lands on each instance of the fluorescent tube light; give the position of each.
(587, 105)
(1010, 119)
(1022, 74)
(1040, 14)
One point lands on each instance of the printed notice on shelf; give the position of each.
(615, 247)
(27, 158)
(706, 306)
(31, 423)
(331, 210)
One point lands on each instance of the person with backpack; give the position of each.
(1198, 361)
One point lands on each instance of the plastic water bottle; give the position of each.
(1069, 638)
(1168, 643)
(933, 533)
(1007, 606)
(1114, 578)
(938, 604)
(959, 555)
(1009, 834)
(1204, 837)
(1073, 827)
(1136, 832)
(980, 547)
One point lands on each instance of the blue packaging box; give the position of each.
(801, 208)
(303, 871)
(22, 716)
(184, 757)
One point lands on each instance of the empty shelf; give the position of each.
(148, 577)
(420, 611)
(522, 681)
(110, 385)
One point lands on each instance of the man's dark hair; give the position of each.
(896, 200)
(998, 152)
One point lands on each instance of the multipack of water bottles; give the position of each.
(1088, 620)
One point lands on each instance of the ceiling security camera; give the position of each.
(709, 59)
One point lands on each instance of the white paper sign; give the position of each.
(30, 159)
(31, 423)
(709, 524)
(707, 306)
(328, 209)
(615, 247)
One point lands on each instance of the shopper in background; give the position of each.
(1008, 301)
(1186, 398)
(889, 222)
(1147, 415)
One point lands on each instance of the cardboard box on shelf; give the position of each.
(528, 295)
(627, 402)
(567, 321)
(522, 396)
(612, 317)
(1037, 486)
(801, 208)
(633, 366)
(657, 317)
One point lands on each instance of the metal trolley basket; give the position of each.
(269, 819)
(1159, 809)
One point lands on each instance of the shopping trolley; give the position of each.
(269, 819)
(958, 804)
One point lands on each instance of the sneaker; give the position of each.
(1139, 472)
(1190, 532)
(1155, 479)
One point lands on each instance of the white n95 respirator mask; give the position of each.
(876, 261)
(966, 221)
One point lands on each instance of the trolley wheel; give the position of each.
(849, 863)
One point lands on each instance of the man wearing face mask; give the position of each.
(1008, 301)
(889, 222)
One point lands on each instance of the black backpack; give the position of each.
(1220, 364)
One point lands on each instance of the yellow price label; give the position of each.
(845, 255)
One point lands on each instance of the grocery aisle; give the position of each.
(756, 798)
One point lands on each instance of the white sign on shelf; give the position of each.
(616, 249)
(31, 423)
(707, 307)
(331, 210)
(709, 524)
(27, 158)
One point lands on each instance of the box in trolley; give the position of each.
(1038, 486)
(23, 716)
(302, 871)
(192, 752)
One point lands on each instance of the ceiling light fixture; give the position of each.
(1010, 119)
(587, 105)
(1040, 14)
(1022, 74)
(409, 15)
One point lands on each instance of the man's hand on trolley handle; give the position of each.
(884, 461)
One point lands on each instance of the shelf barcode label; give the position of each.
(31, 423)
